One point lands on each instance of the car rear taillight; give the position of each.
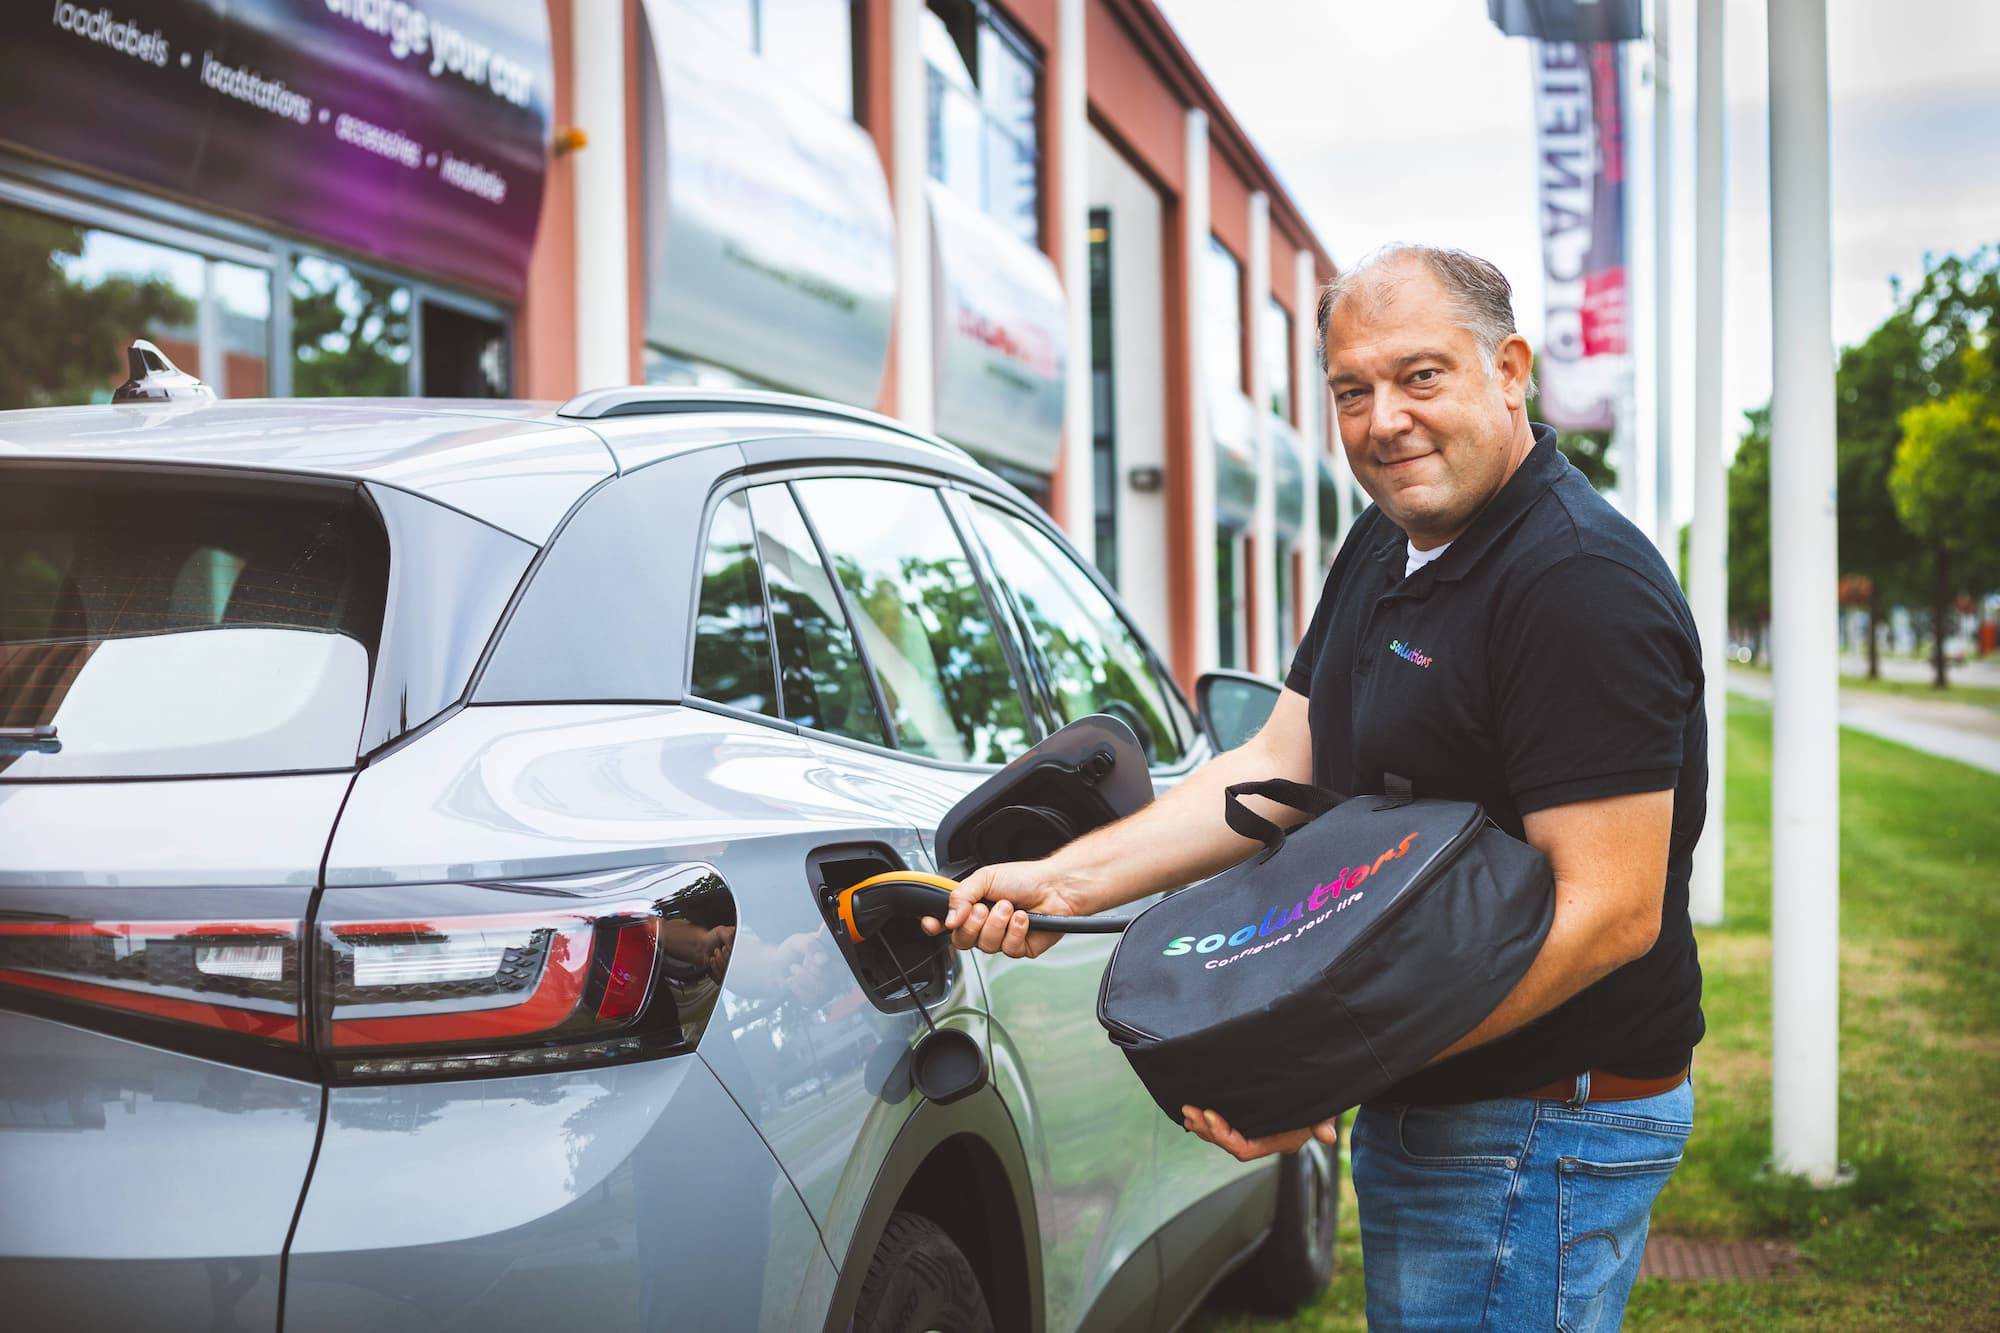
(403, 982)
(455, 979)
(238, 976)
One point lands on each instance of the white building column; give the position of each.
(1263, 589)
(1201, 442)
(1664, 531)
(603, 284)
(1805, 753)
(909, 143)
(1305, 414)
(1708, 541)
(1079, 426)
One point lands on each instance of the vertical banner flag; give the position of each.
(1580, 158)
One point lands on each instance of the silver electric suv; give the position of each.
(420, 828)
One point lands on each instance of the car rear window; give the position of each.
(161, 624)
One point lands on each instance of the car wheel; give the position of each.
(1296, 1261)
(920, 1281)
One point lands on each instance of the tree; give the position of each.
(1589, 451)
(1946, 484)
(1878, 379)
(1921, 357)
(1750, 523)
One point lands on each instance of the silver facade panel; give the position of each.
(770, 244)
(1232, 423)
(1000, 328)
(1288, 475)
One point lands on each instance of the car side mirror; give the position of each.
(1232, 705)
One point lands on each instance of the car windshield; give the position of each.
(160, 624)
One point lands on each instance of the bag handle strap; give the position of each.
(1300, 796)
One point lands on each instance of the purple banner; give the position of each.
(414, 134)
(1580, 159)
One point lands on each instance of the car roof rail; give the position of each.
(644, 400)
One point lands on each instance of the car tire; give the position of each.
(1297, 1259)
(919, 1280)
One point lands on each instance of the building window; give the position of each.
(809, 43)
(79, 294)
(1103, 402)
(1230, 598)
(465, 355)
(350, 332)
(219, 305)
(985, 92)
(1282, 553)
(1222, 332)
(1277, 349)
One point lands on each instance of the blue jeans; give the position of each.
(1512, 1213)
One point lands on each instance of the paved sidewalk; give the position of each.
(1968, 733)
(1977, 671)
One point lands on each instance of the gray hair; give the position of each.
(1481, 298)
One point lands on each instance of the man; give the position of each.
(1493, 631)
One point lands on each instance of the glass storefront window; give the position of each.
(350, 332)
(241, 298)
(464, 356)
(1007, 83)
(78, 295)
(1277, 349)
(955, 155)
(1286, 629)
(1222, 332)
(1103, 398)
(1228, 599)
(984, 90)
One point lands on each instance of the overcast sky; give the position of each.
(1412, 120)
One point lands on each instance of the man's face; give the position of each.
(1430, 433)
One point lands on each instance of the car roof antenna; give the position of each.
(156, 379)
(946, 1064)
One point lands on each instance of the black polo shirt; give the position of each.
(1546, 657)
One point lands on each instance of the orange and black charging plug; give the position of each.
(864, 908)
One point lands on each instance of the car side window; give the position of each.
(732, 639)
(1094, 661)
(928, 631)
(820, 675)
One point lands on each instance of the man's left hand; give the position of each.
(1210, 1125)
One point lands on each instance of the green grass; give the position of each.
(1915, 1241)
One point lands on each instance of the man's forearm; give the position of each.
(1582, 948)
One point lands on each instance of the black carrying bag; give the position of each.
(1326, 969)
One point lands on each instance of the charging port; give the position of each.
(930, 962)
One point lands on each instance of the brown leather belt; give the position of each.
(1608, 1087)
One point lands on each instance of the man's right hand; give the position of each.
(989, 908)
